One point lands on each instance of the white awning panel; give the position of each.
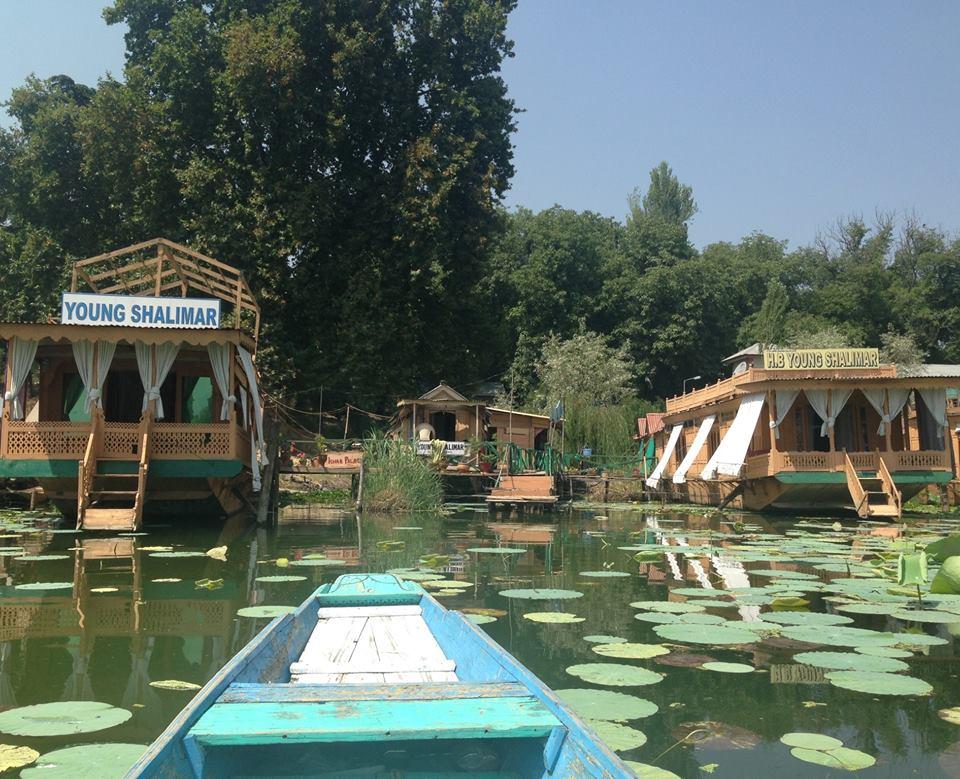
(732, 452)
(698, 441)
(654, 478)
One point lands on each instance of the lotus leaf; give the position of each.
(61, 719)
(850, 661)
(265, 612)
(544, 594)
(497, 550)
(869, 608)
(12, 552)
(166, 581)
(658, 619)
(838, 635)
(178, 554)
(951, 715)
(605, 639)
(16, 757)
(90, 761)
(275, 579)
(811, 741)
(174, 684)
(806, 618)
(710, 603)
(705, 634)
(917, 639)
(947, 579)
(926, 615)
(883, 651)
(618, 737)
(604, 574)
(879, 683)
(783, 574)
(701, 619)
(480, 619)
(852, 759)
(667, 607)
(37, 558)
(606, 705)
(46, 586)
(816, 757)
(646, 771)
(317, 562)
(614, 674)
(553, 617)
(697, 592)
(391, 546)
(217, 553)
(789, 602)
(729, 668)
(484, 611)
(631, 651)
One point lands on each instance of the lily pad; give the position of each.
(852, 759)
(178, 554)
(618, 737)
(496, 550)
(926, 615)
(879, 683)
(667, 607)
(265, 612)
(811, 741)
(614, 674)
(838, 635)
(606, 705)
(729, 668)
(46, 586)
(170, 580)
(605, 639)
(605, 574)
(484, 611)
(16, 757)
(631, 651)
(174, 684)
(806, 618)
(884, 609)
(545, 594)
(90, 761)
(317, 562)
(849, 661)
(951, 715)
(61, 719)
(713, 635)
(553, 617)
(883, 651)
(480, 619)
(816, 757)
(38, 558)
(280, 578)
(647, 771)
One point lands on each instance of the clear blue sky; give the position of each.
(783, 116)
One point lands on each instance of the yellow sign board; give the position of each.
(820, 359)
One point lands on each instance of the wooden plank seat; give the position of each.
(321, 693)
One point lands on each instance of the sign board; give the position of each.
(820, 359)
(450, 449)
(80, 308)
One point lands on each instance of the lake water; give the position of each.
(127, 614)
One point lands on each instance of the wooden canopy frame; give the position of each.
(158, 267)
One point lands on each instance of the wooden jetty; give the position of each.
(144, 395)
(523, 491)
(371, 677)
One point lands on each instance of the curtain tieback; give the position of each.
(231, 399)
(153, 393)
(9, 395)
(94, 394)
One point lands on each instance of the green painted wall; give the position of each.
(161, 469)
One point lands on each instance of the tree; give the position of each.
(586, 368)
(666, 199)
(769, 325)
(901, 349)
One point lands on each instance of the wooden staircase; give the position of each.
(873, 496)
(113, 500)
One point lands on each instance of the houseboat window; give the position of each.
(844, 436)
(123, 398)
(197, 399)
(540, 440)
(74, 399)
(800, 430)
(444, 425)
(931, 437)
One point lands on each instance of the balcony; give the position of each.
(771, 463)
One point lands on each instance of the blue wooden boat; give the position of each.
(372, 677)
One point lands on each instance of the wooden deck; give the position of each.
(532, 489)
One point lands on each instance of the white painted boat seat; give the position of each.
(371, 644)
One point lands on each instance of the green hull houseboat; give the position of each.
(144, 395)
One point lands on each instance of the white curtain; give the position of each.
(896, 400)
(256, 442)
(152, 380)
(654, 478)
(220, 355)
(819, 400)
(730, 455)
(936, 402)
(83, 352)
(680, 476)
(784, 399)
(243, 406)
(20, 357)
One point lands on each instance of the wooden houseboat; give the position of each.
(809, 430)
(142, 396)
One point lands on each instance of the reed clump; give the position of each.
(397, 479)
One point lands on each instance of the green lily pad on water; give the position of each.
(605, 639)
(606, 705)
(918, 640)
(90, 761)
(619, 738)
(811, 741)
(265, 612)
(276, 579)
(850, 661)
(553, 617)
(667, 607)
(883, 651)
(768, 572)
(838, 635)
(884, 609)
(604, 574)
(697, 592)
(879, 683)
(614, 674)
(61, 719)
(175, 684)
(545, 594)
(16, 757)
(46, 586)
(408, 527)
(646, 771)
(496, 550)
(631, 651)
(658, 619)
(178, 554)
(705, 634)
(951, 715)
(841, 758)
(806, 618)
(729, 668)
(701, 619)
(39, 558)
(317, 562)
(926, 615)
(480, 619)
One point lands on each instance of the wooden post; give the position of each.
(7, 415)
(346, 424)
(830, 434)
(413, 424)
(360, 488)
(157, 282)
(889, 426)
(772, 408)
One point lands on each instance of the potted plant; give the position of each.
(322, 448)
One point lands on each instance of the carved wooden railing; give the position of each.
(45, 440)
(87, 468)
(883, 473)
(146, 445)
(856, 488)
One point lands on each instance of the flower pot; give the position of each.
(486, 467)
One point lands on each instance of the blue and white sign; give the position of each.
(79, 308)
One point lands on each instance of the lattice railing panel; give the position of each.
(120, 439)
(49, 440)
(198, 441)
(53, 617)
(186, 617)
(920, 461)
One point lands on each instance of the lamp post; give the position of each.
(692, 378)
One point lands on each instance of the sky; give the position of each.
(783, 116)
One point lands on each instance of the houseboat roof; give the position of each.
(518, 413)
(56, 332)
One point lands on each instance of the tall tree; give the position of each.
(666, 198)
